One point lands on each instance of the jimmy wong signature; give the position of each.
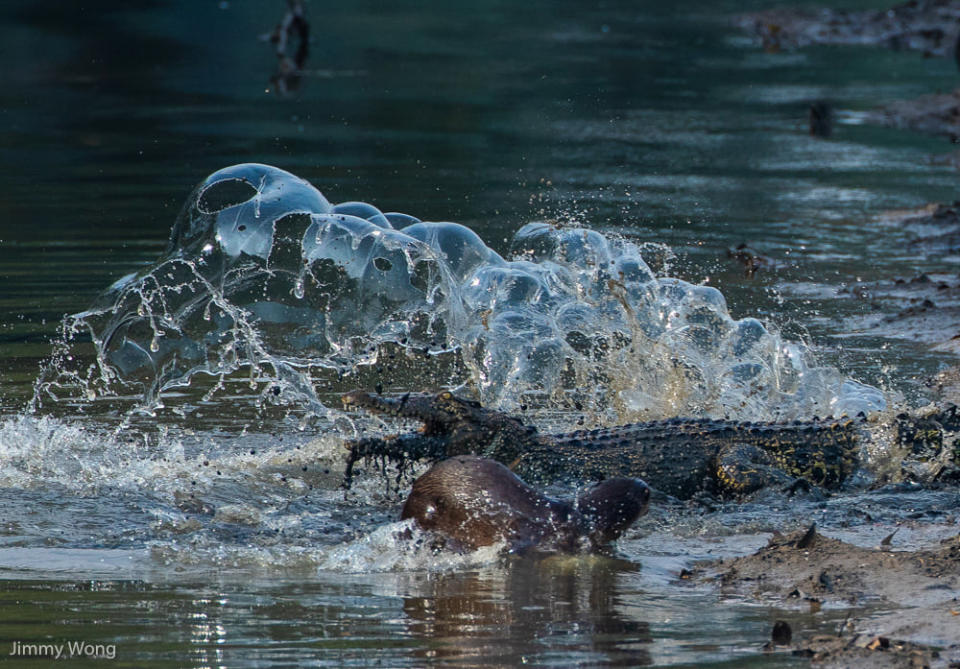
(64, 650)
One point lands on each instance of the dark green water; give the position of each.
(656, 121)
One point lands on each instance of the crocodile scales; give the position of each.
(680, 457)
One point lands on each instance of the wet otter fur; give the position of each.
(476, 502)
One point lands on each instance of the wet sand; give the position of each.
(902, 603)
(904, 606)
(924, 307)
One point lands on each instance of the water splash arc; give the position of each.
(263, 273)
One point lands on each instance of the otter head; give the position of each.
(611, 506)
(475, 501)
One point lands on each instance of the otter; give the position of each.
(474, 501)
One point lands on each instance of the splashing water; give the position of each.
(263, 276)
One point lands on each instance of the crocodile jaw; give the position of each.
(418, 406)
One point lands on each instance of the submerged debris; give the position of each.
(753, 261)
(782, 633)
(820, 116)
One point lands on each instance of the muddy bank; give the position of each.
(929, 26)
(949, 159)
(924, 307)
(934, 114)
(904, 606)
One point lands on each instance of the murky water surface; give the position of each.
(187, 512)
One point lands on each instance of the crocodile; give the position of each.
(681, 457)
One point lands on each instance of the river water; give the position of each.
(205, 526)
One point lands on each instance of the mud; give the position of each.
(935, 114)
(929, 26)
(950, 159)
(924, 307)
(903, 606)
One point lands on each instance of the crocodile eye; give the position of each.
(446, 395)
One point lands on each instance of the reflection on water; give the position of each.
(572, 612)
(294, 27)
(565, 607)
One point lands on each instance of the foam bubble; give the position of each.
(262, 272)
